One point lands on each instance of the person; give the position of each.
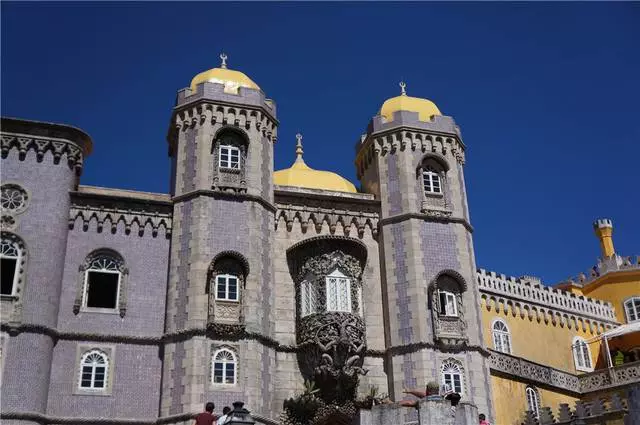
(207, 417)
(225, 415)
(483, 419)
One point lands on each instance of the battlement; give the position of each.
(534, 292)
(612, 264)
(602, 223)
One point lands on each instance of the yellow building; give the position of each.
(549, 344)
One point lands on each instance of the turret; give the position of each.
(41, 164)
(412, 158)
(220, 274)
(603, 228)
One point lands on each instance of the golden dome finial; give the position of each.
(299, 150)
(403, 88)
(223, 58)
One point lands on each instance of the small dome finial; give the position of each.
(299, 150)
(223, 58)
(403, 88)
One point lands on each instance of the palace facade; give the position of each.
(243, 282)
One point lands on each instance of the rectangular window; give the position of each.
(8, 275)
(338, 294)
(308, 297)
(227, 288)
(102, 289)
(229, 157)
(230, 375)
(448, 304)
(218, 373)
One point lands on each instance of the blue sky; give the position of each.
(546, 96)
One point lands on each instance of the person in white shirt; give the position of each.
(225, 415)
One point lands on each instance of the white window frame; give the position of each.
(308, 298)
(226, 277)
(104, 269)
(224, 354)
(581, 355)
(450, 369)
(533, 400)
(18, 257)
(450, 306)
(501, 337)
(632, 310)
(230, 152)
(335, 285)
(431, 181)
(93, 365)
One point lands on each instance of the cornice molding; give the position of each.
(239, 196)
(41, 145)
(426, 217)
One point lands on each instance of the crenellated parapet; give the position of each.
(309, 210)
(441, 136)
(101, 209)
(61, 141)
(604, 266)
(533, 300)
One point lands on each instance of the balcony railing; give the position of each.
(601, 379)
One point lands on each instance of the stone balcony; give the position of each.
(602, 379)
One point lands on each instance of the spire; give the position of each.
(223, 58)
(403, 88)
(299, 150)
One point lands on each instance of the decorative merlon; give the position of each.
(550, 304)
(317, 216)
(57, 147)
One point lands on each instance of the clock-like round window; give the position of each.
(13, 198)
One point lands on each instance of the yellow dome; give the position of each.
(301, 175)
(231, 79)
(424, 107)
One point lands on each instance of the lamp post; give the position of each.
(239, 415)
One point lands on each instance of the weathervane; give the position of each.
(223, 57)
(403, 88)
(299, 150)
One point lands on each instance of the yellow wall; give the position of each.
(540, 342)
(615, 288)
(510, 403)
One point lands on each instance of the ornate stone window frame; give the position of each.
(532, 397)
(12, 247)
(119, 266)
(227, 264)
(448, 329)
(431, 173)
(225, 177)
(11, 304)
(10, 194)
(84, 350)
(224, 355)
(449, 369)
(501, 336)
(581, 354)
(632, 309)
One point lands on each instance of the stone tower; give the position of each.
(41, 164)
(412, 159)
(220, 284)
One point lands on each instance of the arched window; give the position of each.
(632, 309)
(582, 355)
(227, 287)
(223, 370)
(452, 375)
(308, 298)
(94, 367)
(501, 336)
(338, 292)
(11, 259)
(448, 292)
(533, 401)
(102, 280)
(431, 180)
